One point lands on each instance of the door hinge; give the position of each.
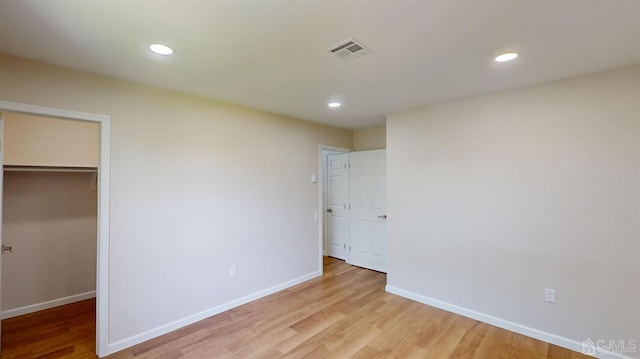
(345, 166)
(345, 206)
(345, 246)
(349, 248)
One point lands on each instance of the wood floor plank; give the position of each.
(344, 314)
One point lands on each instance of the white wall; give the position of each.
(493, 198)
(370, 138)
(196, 186)
(40, 141)
(49, 219)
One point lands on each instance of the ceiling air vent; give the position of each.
(349, 50)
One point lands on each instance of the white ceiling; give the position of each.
(270, 54)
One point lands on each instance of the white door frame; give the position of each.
(102, 263)
(322, 153)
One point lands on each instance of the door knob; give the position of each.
(7, 249)
(330, 210)
(384, 216)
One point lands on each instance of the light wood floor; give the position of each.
(344, 314)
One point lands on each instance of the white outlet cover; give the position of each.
(550, 295)
(314, 178)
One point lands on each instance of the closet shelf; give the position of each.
(10, 168)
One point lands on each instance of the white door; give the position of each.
(368, 227)
(337, 202)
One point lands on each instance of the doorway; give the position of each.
(325, 152)
(353, 207)
(102, 255)
(337, 202)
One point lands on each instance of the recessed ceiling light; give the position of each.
(506, 57)
(334, 104)
(161, 49)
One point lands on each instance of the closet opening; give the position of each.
(54, 229)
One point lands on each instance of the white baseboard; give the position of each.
(504, 324)
(46, 305)
(156, 332)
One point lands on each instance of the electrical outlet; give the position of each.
(233, 271)
(550, 295)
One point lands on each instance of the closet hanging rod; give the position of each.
(50, 169)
